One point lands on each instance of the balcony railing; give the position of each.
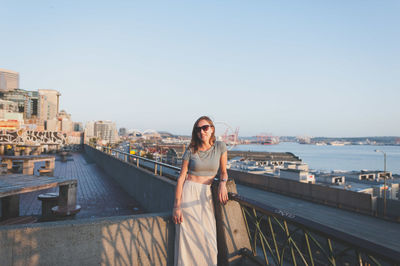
(279, 237)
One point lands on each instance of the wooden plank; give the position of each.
(18, 184)
(27, 157)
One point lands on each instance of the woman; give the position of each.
(193, 214)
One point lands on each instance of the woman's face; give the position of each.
(204, 131)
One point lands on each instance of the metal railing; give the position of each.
(279, 237)
(158, 168)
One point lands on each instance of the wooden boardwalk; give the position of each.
(98, 194)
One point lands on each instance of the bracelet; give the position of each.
(224, 180)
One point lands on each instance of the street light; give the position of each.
(384, 178)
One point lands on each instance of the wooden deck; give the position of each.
(98, 194)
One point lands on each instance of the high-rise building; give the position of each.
(106, 131)
(9, 80)
(48, 105)
(89, 129)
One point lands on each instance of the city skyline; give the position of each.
(316, 69)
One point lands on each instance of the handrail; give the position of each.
(145, 159)
(157, 165)
(331, 234)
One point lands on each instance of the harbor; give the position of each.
(329, 158)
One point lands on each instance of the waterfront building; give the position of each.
(368, 176)
(331, 179)
(9, 80)
(297, 174)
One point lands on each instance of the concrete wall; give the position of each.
(125, 240)
(154, 193)
(392, 208)
(345, 199)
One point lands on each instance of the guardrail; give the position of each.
(158, 168)
(279, 237)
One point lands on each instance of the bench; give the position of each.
(43, 171)
(66, 211)
(49, 200)
(3, 169)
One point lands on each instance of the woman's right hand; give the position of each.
(177, 216)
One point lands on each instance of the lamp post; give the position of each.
(384, 179)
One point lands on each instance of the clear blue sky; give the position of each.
(317, 68)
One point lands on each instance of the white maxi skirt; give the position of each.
(196, 237)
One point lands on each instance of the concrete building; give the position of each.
(331, 179)
(295, 165)
(78, 127)
(9, 80)
(26, 101)
(89, 130)
(298, 175)
(106, 131)
(8, 106)
(51, 125)
(48, 105)
(375, 176)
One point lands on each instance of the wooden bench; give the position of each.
(28, 162)
(11, 186)
(45, 171)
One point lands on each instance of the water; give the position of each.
(328, 158)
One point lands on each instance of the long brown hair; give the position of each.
(196, 141)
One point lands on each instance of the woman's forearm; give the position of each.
(179, 184)
(178, 192)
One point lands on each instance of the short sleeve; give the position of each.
(186, 155)
(222, 147)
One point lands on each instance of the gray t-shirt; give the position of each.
(205, 163)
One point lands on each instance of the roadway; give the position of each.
(378, 231)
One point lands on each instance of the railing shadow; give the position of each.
(128, 240)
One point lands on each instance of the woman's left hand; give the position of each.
(222, 193)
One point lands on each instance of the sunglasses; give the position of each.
(205, 128)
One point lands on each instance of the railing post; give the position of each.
(137, 161)
(232, 237)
